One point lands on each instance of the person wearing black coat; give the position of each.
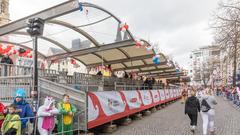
(192, 107)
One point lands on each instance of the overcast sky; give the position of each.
(179, 26)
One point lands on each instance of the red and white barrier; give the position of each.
(107, 106)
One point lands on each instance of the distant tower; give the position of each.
(4, 12)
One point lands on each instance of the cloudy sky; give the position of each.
(179, 26)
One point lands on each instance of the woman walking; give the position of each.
(208, 112)
(192, 107)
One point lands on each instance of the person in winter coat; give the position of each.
(12, 123)
(23, 108)
(192, 107)
(2, 115)
(65, 119)
(184, 95)
(208, 116)
(6, 60)
(46, 113)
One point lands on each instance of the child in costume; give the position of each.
(46, 113)
(2, 116)
(65, 120)
(23, 108)
(12, 122)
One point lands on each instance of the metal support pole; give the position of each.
(35, 92)
(35, 72)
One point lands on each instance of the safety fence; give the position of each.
(35, 124)
(8, 85)
(75, 80)
(107, 106)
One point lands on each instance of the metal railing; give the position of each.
(55, 90)
(33, 129)
(16, 70)
(8, 86)
(136, 87)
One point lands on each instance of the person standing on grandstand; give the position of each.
(12, 123)
(208, 111)
(192, 107)
(23, 109)
(65, 119)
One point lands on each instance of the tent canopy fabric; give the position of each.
(87, 33)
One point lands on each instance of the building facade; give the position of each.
(4, 12)
(205, 65)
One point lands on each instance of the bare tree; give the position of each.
(227, 30)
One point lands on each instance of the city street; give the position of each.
(172, 121)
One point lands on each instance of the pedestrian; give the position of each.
(2, 114)
(192, 107)
(23, 109)
(46, 113)
(65, 119)
(12, 122)
(184, 95)
(208, 112)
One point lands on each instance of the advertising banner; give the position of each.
(106, 106)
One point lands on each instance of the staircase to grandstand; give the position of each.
(48, 85)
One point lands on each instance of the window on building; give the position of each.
(215, 52)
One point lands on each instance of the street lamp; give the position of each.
(35, 29)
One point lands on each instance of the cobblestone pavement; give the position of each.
(172, 121)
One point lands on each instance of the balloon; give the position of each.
(28, 51)
(149, 48)
(156, 60)
(177, 70)
(137, 46)
(14, 52)
(124, 27)
(73, 61)
(80, 7)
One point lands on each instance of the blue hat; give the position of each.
(20, 93)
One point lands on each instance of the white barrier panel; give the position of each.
(111, 102)
(146, 97)
(156, 96)
(167, 94)
(107, 106)
(133, 99)
(162, 95)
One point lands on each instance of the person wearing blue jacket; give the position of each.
(23, 108)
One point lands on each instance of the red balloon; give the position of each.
(14, 52)
(126, 26)
(28, 51)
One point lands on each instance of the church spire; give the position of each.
(4, 12)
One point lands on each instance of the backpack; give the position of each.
(205, 107)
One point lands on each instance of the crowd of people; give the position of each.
(200, 101)
(15, 117)
(230, 93)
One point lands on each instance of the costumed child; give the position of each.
(23, 108)
(65, 120)
(12, 122)
(46, 113)
(2, 116)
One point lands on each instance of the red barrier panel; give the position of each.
(107, 106)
